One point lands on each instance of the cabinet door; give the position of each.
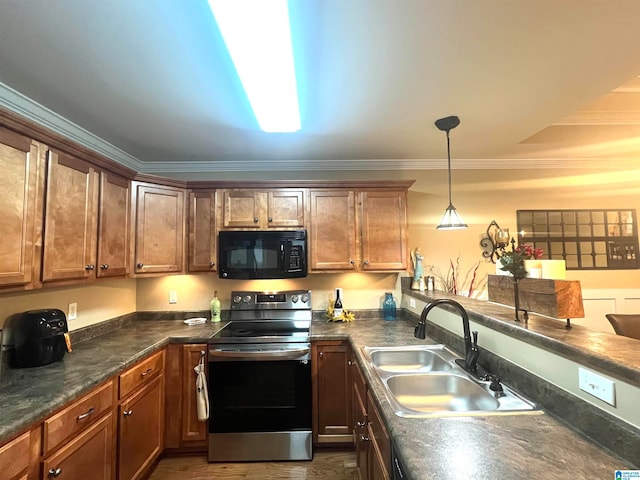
(241, 209)
(333, 392)
(377, 469)
(89, 455)
(333, 230)
(202, 232)
(70, 224)
(140, 420)
(114, 226)
(360, 438)
(285, 209)
(194, 432)
(19, 161)
(159, 246)
(14, 457)
(384, 230)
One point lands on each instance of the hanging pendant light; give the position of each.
(451, 220)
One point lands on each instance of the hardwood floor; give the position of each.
(336, 465)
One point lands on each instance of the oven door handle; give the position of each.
(293, 353)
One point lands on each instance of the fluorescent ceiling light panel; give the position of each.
(258, 37)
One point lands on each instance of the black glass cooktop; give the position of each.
(263, 331)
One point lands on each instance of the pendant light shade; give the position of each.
(451, 220)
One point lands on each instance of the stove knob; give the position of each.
(305, 297)
(247, 299)
(237, 299)
(294, 298)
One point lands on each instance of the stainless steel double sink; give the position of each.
(425, 381)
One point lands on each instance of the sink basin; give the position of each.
(409, 360)
(442, 392)
(425, 381)
(418, 358)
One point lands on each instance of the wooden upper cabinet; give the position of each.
(202, 232)
(19, 164)
(332, 237)
(159, 239)
(384, 230)
(263, 209)
(70, 222)
(114, 229)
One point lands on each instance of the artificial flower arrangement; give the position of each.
(513, 261)
(346, 316)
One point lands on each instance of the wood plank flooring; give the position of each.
(336, 465)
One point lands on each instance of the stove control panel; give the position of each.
(286, 300)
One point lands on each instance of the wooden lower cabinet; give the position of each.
(332, 384)
(88, 455)
(14, 457)
(183, 431)
(371, 439)
(140, 429)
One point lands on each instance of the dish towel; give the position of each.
(202, 395)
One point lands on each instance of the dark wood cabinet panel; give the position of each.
(194, 432)
(332, 379)
(263, 209)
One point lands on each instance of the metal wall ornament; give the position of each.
(495, 241)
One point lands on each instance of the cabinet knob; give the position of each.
(321, 354)
(212, 264)
(364, 438)
(270, 219)
(366, 262)
(349, 362)
(255, 219)
(352, 261)
(54, 472)
(104, 266)
(146, 372)
(360, 424)
(127, 413)
(140, 265)
(89, 267)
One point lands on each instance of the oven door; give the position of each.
(257, 388)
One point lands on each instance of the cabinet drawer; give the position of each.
(14, 456)
(77, 416)
(141, 373)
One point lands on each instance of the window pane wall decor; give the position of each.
(585, 239)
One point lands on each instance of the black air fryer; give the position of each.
(38, 337)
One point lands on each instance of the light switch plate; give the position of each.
(73, 311)
(173, 296)
(412, 303)
(596, 385)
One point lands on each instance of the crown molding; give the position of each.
(32, 111)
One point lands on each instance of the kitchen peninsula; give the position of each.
(513, 446)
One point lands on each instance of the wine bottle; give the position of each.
(337, 306)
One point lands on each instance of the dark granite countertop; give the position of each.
(535, 447)
(506, 447)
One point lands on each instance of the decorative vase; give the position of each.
(389, 307)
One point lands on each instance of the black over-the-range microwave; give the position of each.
(262, 254)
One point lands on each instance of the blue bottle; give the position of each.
(389, 307)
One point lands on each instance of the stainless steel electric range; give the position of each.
(260, 379)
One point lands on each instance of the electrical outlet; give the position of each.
(412, 303)
(73, 311)
(596, 385)
(173, 296)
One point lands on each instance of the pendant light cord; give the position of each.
(449, 166)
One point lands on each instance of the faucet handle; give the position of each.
(475, 338)
(420, 331)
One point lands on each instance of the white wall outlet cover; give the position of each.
(73, 311)
(597, 385)
(173, 296)
(412, 303)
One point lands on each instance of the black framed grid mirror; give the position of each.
(587, 239)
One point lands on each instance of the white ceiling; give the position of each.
(531, 81)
